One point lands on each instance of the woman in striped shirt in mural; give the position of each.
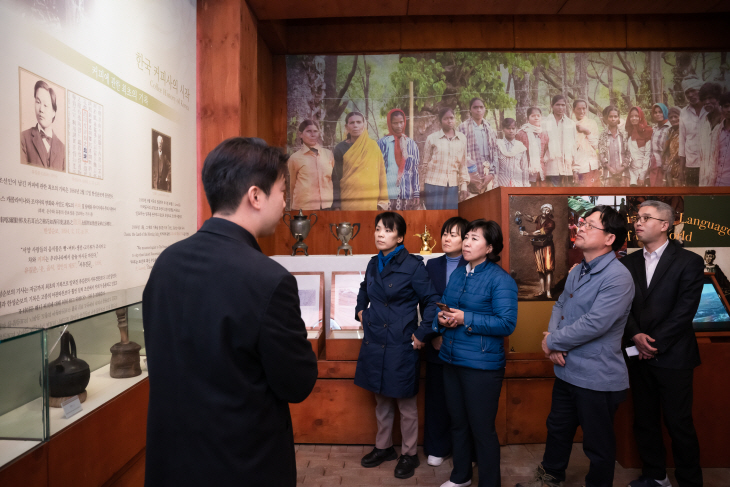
(401, 158)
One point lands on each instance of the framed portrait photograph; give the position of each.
(42, 122)
(161, 161)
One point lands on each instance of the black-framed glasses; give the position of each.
(588, 226)
(644, 218)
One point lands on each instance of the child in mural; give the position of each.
(560, 161)
(544, 249)
(613, 150)
(639, 146)
(401, 157)
(359, 179)
(310, 171)
(586, 142)
(715, 169)
(670, 154)
(657, 165)
(481, 145)
(536, 140)
(512, 166)
(444, 173)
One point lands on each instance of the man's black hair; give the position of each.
(234, 166)
(491, 232)
(710, 90)
(455, 221)
(392, 221)
(612, 222)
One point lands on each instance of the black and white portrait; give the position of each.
(161, 162)
(42, 122)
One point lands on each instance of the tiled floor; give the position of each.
(340, 465)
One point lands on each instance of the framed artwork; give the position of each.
(311, 298)
(345, 286)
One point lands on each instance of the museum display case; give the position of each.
(311, 303)
(59, 363)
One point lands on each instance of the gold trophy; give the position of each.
(425, 237)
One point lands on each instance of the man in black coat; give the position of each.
(227, 348)
(669, 283)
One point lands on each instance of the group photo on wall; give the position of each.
(427, 130)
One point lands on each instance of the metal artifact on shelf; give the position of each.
(299, 225)
(344, 233)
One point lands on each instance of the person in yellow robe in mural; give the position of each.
(359, 177)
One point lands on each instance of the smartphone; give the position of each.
(443, 307)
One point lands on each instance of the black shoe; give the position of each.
(406, 465)
(378, 456)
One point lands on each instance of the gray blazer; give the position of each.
(588, 322)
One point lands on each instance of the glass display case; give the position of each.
(311, 303)
(89, 350)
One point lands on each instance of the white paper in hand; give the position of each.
(632, 351)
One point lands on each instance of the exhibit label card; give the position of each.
(71, 406)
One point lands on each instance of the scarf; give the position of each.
(534, 147)
(517, 147)
(641, 133)
(401, 146)
(665, 112)
(383, 260)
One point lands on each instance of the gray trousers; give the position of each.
(384, 414)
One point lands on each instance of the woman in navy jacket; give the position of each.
(395, 284)
(483, 302)
(437, 424)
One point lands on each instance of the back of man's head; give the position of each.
(236, 165)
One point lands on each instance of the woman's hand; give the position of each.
(443, 321)
(455, 316)
(417, 344)
(359, 315)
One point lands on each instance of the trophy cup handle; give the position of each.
(287, 222)
(358, 229)
(332, 231)
(315, 218)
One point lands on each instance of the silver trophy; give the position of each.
(343, 233)
(299, 226)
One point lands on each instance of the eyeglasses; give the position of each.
(588, 226)
(644, 218)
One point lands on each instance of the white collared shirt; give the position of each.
(651, 259)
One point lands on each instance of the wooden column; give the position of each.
(226, 78)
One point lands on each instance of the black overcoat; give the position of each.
(227, 351)
(387, 363)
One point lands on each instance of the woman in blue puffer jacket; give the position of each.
(483, 302)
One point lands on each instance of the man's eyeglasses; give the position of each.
(644, 218)
(588, 226)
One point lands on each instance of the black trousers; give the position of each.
(472, 397)
(594, 412)
(661, 392)
(437, 423)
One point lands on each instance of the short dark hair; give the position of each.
(533, 109)
(443, 111)
(724, 99)
(609, 109)
(507, 122)
(392, 221)
(236, 165)
(306, 123)
(476, 98)
(579, 100)
(492, 233)
(455, 221)
(352, 114)
(613, 223)
(710, 90)
(557, 98)
(40, 84)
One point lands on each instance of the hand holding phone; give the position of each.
(443, 307)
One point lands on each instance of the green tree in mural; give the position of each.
(448, 79)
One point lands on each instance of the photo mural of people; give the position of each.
(611, 119)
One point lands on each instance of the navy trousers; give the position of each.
(441, 197)
(437, 423)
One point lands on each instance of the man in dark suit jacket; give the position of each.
(39, 145)
(161, 168)
(227, 347)
(669, 283)
(437, 424)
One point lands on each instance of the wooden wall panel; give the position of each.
(264, 92)
(30, 470)
(277, 110)
(672, 32)
(609, 7)
(321, 241)
(248, 65)
(111, 436)
(570, 32)
(278, 9)
(482, 7)
(454, 33)
(132, 475)
(342, 36)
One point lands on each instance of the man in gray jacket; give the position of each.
(584, 342)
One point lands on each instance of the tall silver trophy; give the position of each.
(343, 233)
(299, 225)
